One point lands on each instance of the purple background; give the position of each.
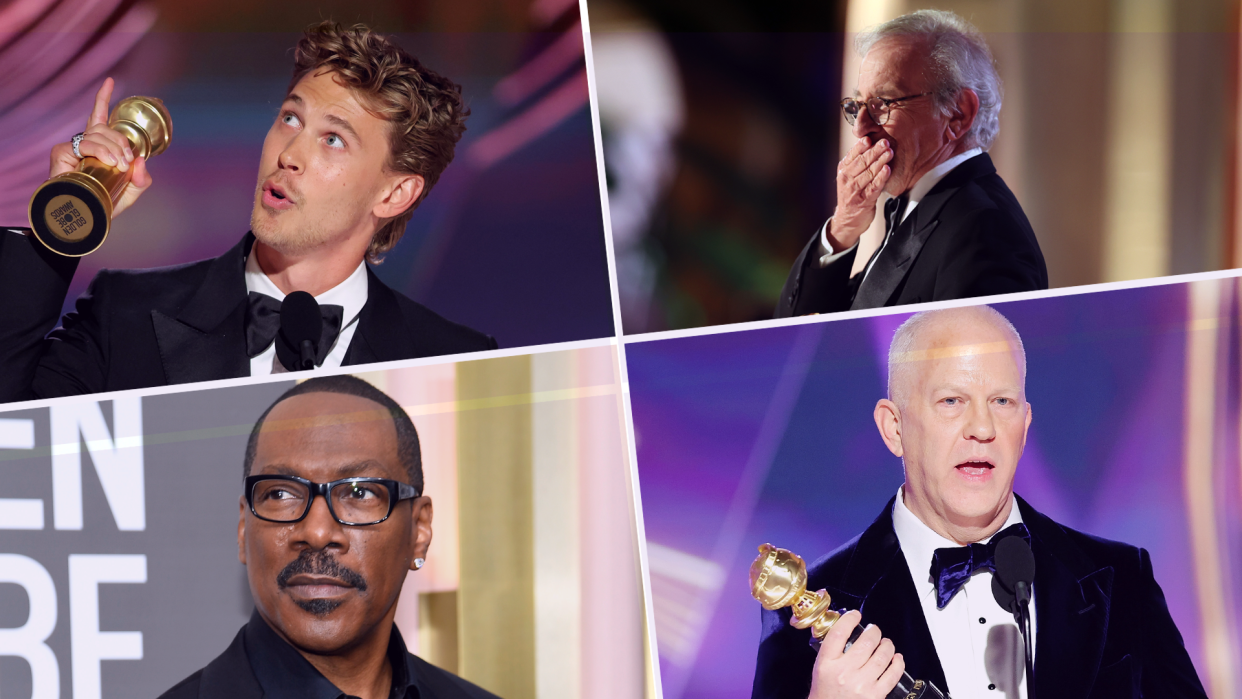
(767, 436)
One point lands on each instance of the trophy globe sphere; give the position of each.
(777, 577)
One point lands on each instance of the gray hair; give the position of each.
(959, 58)
(902, 350)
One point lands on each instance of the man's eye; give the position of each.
(278, 494)
(290, 119)
(951, 401)
(334, 141)
(361, 492)
(1003, 401)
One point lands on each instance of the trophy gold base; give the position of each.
(71, 214)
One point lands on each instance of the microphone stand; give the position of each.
(1022, 615)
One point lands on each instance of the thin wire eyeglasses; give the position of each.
(877, 107)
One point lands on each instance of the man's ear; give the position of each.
(241, 532)
(888, 420)
(400, 194)
(967, 108)
(421, 526)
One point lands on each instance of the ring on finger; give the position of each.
(77, 141)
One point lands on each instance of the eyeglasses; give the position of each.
(877, 107)
(352, 501)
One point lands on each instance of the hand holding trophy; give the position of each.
(778, 579)
(99, 174)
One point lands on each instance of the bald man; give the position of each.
(957, 416)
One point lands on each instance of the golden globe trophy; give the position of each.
(71, 213)
(778, 579)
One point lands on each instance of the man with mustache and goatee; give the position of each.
(362, 135)
(332, 520)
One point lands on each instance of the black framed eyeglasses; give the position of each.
(877, 107)
(354, 502)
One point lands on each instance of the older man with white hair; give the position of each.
(920, 578)
(925, 112)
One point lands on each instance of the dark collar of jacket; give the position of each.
(1072, 601)
(231, 675)
(205, 339)
(890, 268)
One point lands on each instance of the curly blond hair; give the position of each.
(425, 109)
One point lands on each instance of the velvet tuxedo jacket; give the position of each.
(1103, 627)
(170, 325)
(967, 237)
(230, 676)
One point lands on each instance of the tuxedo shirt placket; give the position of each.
(972, 654)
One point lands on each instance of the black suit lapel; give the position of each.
(382, 334)
(206, 340)
(878, 584)
(1072, 599)
(898, 256)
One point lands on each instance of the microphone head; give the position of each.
(300, 321)
(1014, 562)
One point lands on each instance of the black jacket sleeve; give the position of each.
(33, 284)
(811, 288)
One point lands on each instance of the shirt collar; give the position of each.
(350, 295)
(283, 673)
(918, 542)
(933, 177)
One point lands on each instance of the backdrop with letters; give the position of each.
(119, 573)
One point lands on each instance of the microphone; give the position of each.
(1011, 586)
(301, 326)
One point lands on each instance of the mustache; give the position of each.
(320, 563)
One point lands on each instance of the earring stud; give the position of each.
(418, 563)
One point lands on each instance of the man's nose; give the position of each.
(292, 157)
(980, 423)
(864, 124)
(320, 529)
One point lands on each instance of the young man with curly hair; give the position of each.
(362, 135)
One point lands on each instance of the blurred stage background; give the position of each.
(510, 241)
(531, 587)
(767, 436)
(1119, 137)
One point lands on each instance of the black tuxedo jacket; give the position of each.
(229, 676)
(1103, 628)
(153, 327)
(968, 237)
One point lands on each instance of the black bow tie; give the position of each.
(952, 567)
(263, 326)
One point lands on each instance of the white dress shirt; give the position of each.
(979, 643)
(350, 295)
(917, 192)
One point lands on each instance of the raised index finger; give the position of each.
(99, 113)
